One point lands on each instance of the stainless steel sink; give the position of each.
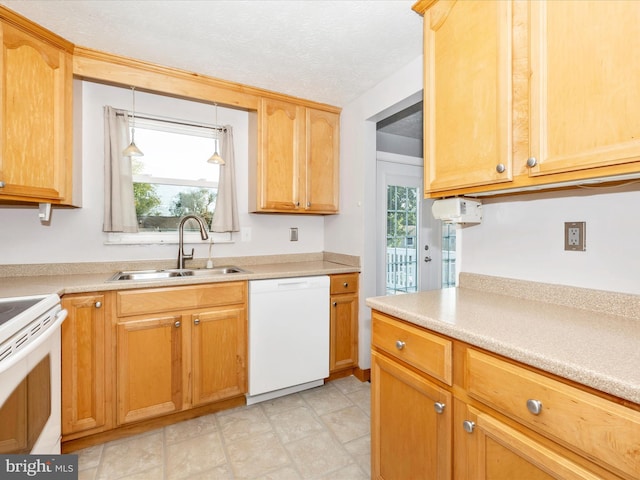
(140, 275)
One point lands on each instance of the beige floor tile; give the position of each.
(361, 398)
(351, 472)
(326, 399)
(89, 457)
(243, 423)
(221, 472)
(190, 428)
(194, 455)
(286, 473)
(288, 438)
(360, 450)
(257, 455)
(318, 454)
(131, 455)
(153, 473)
(88, 474)
(280, 404)
(350, 384)
(347, 424)
(295, 424)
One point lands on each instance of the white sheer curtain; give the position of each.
(225, 216)
(119, 203)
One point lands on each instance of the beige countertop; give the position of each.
(588, 344)
(72, 278)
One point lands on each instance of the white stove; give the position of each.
(30, 374)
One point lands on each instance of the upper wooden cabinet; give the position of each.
(297, 164)
(524, 95)
(585, 102)
(36, 113)
(467, 100)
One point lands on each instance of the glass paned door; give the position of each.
(402, 239)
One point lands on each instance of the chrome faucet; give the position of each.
(203, 233)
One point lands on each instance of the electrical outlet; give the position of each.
(293, 234)
(575, 236)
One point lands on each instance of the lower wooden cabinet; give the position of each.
(173, 361)
(86, 366)
(343, 350)
(497, 451)
(411, 424)
(496, 420)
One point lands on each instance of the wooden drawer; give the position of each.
(425, 351)
(600, 429)
(167, 299)
(344, 283)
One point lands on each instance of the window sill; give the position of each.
(164, 238)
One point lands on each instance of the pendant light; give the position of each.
(216, 158)
(132, 150)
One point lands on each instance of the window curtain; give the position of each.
(225, 216)
(119, 203)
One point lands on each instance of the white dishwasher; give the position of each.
(288, 336)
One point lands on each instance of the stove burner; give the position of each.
(9, 309)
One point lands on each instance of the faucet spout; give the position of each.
(203, 233)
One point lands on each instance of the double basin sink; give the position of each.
(139, 275)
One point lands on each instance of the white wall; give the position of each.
(75, 235)
(354, 230)
(523, 237)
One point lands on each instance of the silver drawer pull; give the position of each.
(400, 344)
(177, 324)
(439, 407)
(196, 321)
(98, 304)
(534, 406)
(468, 426)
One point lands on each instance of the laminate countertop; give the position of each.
(589, 336)
(78, 278)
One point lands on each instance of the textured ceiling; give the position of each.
(327, 51)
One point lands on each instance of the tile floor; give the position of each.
(322, 433)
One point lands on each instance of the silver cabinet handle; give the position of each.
(500, 168)
(196, 321)
(400, 344)
(177, 324)
(345, 284)
(468, 426)
(98, 304)
(534, 406)
(439, 407)
(335, 304)
(1, 184)
(297, 204)
(308, 204)
(532, 162)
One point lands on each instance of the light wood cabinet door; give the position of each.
(321, 163)
(409, 439)
(467, 95)
(150, 367)
(584, 85)
(86, 385)
(219, 356)
(496, 451)
(344, 332)
(35, 118)
(281, 151)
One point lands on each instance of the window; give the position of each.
(173, 177)
(448, 255)
(402, 228)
